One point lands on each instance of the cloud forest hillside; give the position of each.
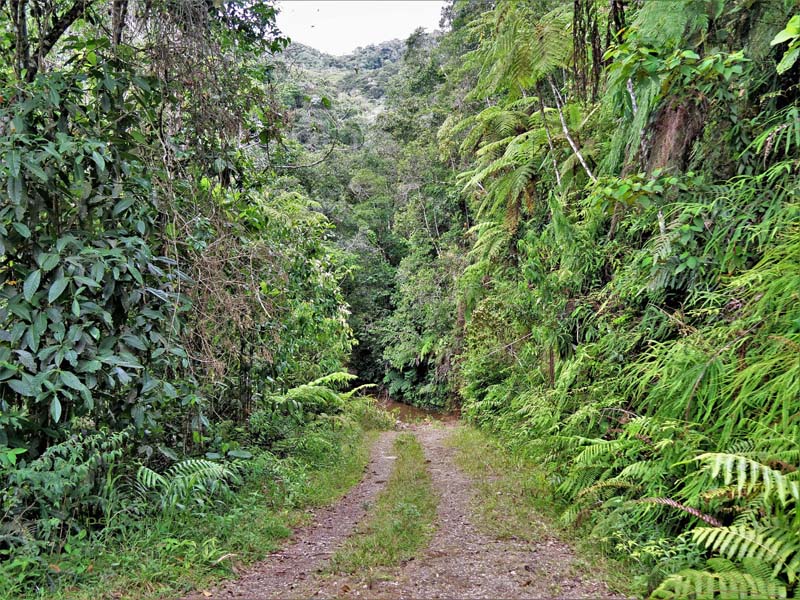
(576, 221)
(589, 213)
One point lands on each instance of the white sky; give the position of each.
(340, 26)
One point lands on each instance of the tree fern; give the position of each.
(525, 47)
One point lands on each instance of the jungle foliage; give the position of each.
(166, 292)
(597, 207)
(576, 220)
(619, 294)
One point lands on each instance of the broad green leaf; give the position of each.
(40, 324)
(138, 415)
(98, 269)
(26, 358)
(21, 387)
(136, 274)
(788, 60)
(58, 287)
(91, 366)
(791, 31)
(31, 285)
(48, 262)
(71, 380)
(170, 454)
(240, 454)
(22, 229)
(159, 294)
(123, 205)
(55, 409)
(32, 339)
(33, 167)
(134, 341)
(99, 161)
(62, 242)
(123, 377)
(86, 281)
(13, 161)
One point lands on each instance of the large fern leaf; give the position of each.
(749, 474)
(730, 584)
(778, 547)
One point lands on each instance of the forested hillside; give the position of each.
(575, 222)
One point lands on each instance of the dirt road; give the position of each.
(461, 561)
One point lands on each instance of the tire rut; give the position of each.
(462, 562)
(284, 571)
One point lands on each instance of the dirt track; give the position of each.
(461, 561)
(284, 572)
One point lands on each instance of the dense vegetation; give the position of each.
(167, 293)
(590, 212)
(627, 312)
(576, 220)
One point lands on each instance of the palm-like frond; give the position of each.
(752, 475)
(703, 584)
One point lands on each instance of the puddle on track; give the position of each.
(412, 414)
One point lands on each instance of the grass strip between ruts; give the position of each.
(402, 520)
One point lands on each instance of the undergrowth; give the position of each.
(176, 550)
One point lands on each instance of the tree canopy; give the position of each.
(574, 221)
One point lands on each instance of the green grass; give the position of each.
(402, 520)
(170, 556)
(514, 500)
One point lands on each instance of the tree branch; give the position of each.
(549, 141)
(572, 143)
(75, 12)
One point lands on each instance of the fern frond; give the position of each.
(604, 485)
(358, 389)
(779, 547)
(748, 474)
(687, 509)
(149, 479)
(603, 449)
(691, 583)
(334, 380)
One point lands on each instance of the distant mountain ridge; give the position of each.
(365, 71)
(369, 57)
(342, 93)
